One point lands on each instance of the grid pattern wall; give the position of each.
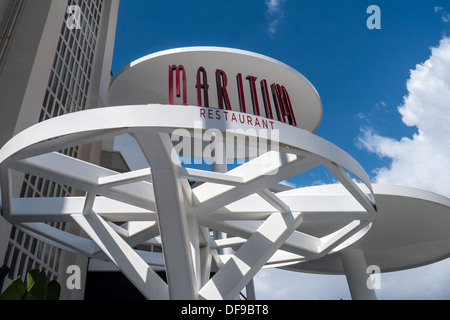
(67, 91)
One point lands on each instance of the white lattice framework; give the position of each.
(157, 206)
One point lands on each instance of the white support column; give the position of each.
(172, 220)
(356, 272)
(194, 241)
(6, 192)
(219, 164)
(205, 264)
(251, 294)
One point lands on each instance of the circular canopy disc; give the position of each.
(90, 124)
(32, 151)
(145, 81)
(411, 230)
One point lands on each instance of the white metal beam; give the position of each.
(61, 209)
(214, 253)
(351, 186)
(273, 200)
(209, 176)
(147, 230)
(298, 243)
(213, 196)
(84, 176)
(249, 259)
(124, 178)
(60, 238)
(126, 259)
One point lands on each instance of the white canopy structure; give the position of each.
(325, 229)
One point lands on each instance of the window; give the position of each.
(72, 64)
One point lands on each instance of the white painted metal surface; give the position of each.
(156, 205)
(146, 81)
(411, 229)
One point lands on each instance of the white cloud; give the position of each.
(276, 284)
(445, 16)
(289, 184)
(275, 14)
(377, 115)
(273, 6)
(380, 105)
(425, 283)
(421, 160)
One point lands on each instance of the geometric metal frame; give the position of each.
(122, 213)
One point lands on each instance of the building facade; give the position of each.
(55, 58)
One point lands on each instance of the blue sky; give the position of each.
(360, 74)
(357, 72)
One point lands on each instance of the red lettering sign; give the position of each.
(254, 95)
(283, 104)
(222, 94)
(241, 93)
(202, 86)
(266, 99)
(280, 96)
(177, 70)
(238, 118)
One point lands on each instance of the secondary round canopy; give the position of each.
(411, 230)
